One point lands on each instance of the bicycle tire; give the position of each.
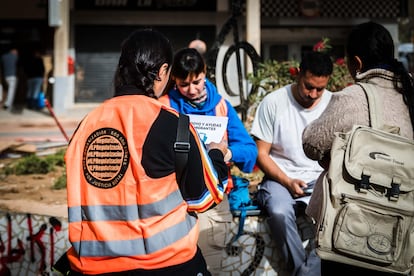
(250, 53)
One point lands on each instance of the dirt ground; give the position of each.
(32, 193)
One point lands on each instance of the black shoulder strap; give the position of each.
(182, 147)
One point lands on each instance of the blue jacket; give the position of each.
(241, 144)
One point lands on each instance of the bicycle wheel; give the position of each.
(242, 52)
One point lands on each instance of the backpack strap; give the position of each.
(240, 231)
(182, 147)
(374, 105)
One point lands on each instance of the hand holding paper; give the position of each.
(222, 146)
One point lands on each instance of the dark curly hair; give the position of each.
(142, 55)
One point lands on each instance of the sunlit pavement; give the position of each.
(22, 124)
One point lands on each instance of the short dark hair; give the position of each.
(187, 61)
(317, 63)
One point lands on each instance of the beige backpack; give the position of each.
(367, 216)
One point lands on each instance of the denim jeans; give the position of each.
(34, 86)
(11, 91)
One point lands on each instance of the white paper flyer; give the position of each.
(209, 128)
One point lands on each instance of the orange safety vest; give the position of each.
(221, 110)
(120, 218)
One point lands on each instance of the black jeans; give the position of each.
(195, 266)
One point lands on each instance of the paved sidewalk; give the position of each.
(31, 125)
(21, 114)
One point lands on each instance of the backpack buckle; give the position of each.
(181, 147)
(363, 184)
(394, 191)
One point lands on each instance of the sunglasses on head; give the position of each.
(310, 87)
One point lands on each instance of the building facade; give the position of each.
(81, 38)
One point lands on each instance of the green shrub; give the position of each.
(57, 159)
(60, 183)
(33, 164)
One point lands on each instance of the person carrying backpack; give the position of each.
(370, 59)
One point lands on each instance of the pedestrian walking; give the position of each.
(9, 63)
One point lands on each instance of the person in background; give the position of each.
(35, 72)
(277, 129)
(127, 212)
(370, 58)
(9, 62)
(1, 85)
(193, 93)
(199, 45)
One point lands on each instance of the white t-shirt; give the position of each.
(280, 120)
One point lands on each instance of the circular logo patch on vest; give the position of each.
(105, 158)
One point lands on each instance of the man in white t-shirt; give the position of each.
(277, 128)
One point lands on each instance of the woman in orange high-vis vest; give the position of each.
(127, 213)
(192, 93)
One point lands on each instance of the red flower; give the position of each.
(318, 47)
(293, 71)
(322, 45)
(340, 61)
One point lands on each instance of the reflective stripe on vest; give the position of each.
(125, 213)
(134, 247)
(119, 218)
